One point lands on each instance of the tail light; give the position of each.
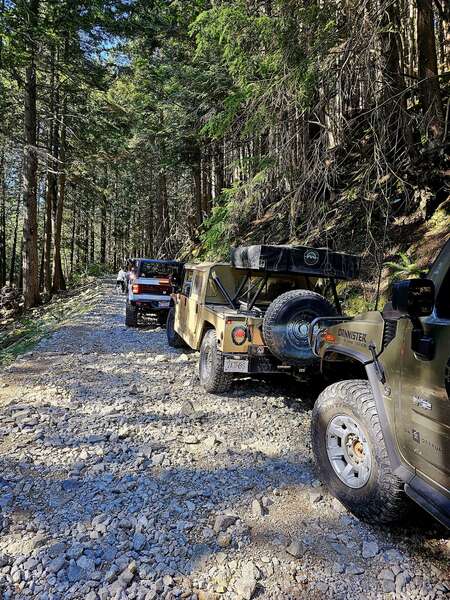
(164, 281)
(136, 288)
(239, 335)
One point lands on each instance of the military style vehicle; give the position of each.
(253, 315)
(386, 436)
(149, 286)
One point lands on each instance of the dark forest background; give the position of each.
(180, 128)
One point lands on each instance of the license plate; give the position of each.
(235, 366)
(164, 303)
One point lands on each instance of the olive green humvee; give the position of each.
(253, 315)
(386, 436)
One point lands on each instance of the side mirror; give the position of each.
(414, 297)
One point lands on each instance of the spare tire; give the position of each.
(286, 325)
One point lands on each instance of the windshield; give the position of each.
(151, 269)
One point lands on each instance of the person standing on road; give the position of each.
(121, 280)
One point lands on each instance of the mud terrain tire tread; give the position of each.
(131, 315)
(218, 381)
(173, 338)
(271, 321)
(382, 499)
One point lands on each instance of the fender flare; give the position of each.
(402, 471)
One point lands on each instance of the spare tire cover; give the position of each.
(286, 325)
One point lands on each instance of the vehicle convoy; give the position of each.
(253, 315)
(149, 286)
(386, 436)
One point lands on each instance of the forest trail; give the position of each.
(121, 478)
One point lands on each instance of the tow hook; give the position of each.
(378, 368)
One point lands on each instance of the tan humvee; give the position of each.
(250, 317)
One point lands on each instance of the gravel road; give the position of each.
(120, 478)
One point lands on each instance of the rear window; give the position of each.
(272, 288)
(148, 269)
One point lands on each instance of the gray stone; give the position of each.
(86, 563)
(70, 485)
(245, 584)
(126, 576)
(222, 522)
(258, 509)
(315, 497)
(56, 550)
(401, 581)
(139, 541)
(296, 549)
(386, 574)
(29, 564)
(370, 549)
(224, 539)
(187, 408)
(353, 569)
(56, 564)
(4, 560)
(388, 586)
(74, 573)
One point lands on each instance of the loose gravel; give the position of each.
(121, 478)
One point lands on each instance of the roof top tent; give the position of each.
(297, 260)
(304, 260)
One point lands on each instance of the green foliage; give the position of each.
(26, 332)
(404, 269)
(215, 234)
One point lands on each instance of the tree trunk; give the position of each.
(429, 88)
(394, 83)
(12, 269)
(29, 180)
(72, 238)
(59, 283)
(165, 225)
(103, 231)
(3, 220)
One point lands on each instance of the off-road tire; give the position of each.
(173, 339)
(210, 366)
(279, 325)
(162, 317)
(131, 315)
(381, 499)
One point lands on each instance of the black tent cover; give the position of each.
(318, 262)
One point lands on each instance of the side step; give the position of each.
(430, 499)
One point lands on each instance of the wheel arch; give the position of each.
(207, 326)
(398, 466)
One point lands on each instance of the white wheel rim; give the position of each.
(348, 451)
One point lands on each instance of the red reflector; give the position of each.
(239, 335)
